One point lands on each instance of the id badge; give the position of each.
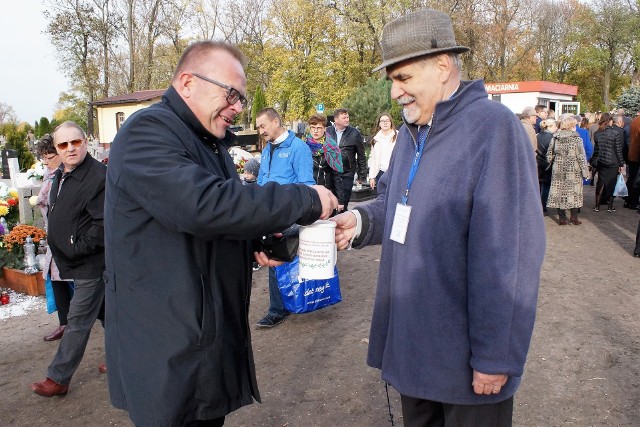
(400, 223)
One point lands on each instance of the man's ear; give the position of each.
(444, 66)
(184, 84)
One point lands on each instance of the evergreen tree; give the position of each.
(17, 140)
(630, 100)
(366, 102)
(259, 102)
(43, 127)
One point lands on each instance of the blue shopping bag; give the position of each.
(48, 290)
(302, 295)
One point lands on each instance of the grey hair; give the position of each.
(454, 57)
(567, 121)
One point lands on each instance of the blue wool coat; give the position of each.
(460, 293)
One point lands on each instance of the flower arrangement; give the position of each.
(12, 244)
(9, 200)
(36, 171)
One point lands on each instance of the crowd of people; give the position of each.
(166, 247)
(596, 149)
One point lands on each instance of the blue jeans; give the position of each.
(84, 309)
(276, 307)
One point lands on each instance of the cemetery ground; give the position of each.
(582, 370)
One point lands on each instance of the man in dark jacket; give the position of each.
(178, 230)
(351, 146)
(457, 287)
(76, 241)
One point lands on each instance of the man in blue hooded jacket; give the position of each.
(286, 160)
(461, 226)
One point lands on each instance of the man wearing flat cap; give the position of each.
(461, 227)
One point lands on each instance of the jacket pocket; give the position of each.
(207, 315)
(346, 162)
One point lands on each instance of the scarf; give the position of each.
(329, 148)
(43, 195)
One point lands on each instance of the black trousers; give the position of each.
(347, 186)
(634, 192)
(62, 294)
(636, 251)
(427, 413)
(216, 422)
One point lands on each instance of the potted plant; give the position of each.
(12, 260)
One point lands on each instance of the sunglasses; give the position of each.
(76, 143)
(233, 95)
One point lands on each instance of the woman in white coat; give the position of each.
(382, 146)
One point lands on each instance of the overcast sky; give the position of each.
(30, 81)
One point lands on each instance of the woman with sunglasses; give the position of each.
(327, 160)
(62, 289)
(381, 148)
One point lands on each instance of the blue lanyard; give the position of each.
(414, 166)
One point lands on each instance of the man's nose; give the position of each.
(237, 107)
(396, 91)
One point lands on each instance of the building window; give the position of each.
(544, 101)
(496, 97)
(119, 120)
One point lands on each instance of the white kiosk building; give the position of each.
(558, 97)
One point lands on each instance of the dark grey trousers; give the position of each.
(83, 311)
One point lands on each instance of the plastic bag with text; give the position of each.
(303, 296)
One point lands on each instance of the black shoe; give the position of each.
(611, 209)
(269, 321)
(256, 266)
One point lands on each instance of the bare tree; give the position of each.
(7, 114)
(70, 30)
(106, 25)
(507, 37)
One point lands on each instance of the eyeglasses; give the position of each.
(47, 159)
(316, 128)
(233, 95)
(385, 121)
(76, 143)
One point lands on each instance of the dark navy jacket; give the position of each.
(178, 226)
